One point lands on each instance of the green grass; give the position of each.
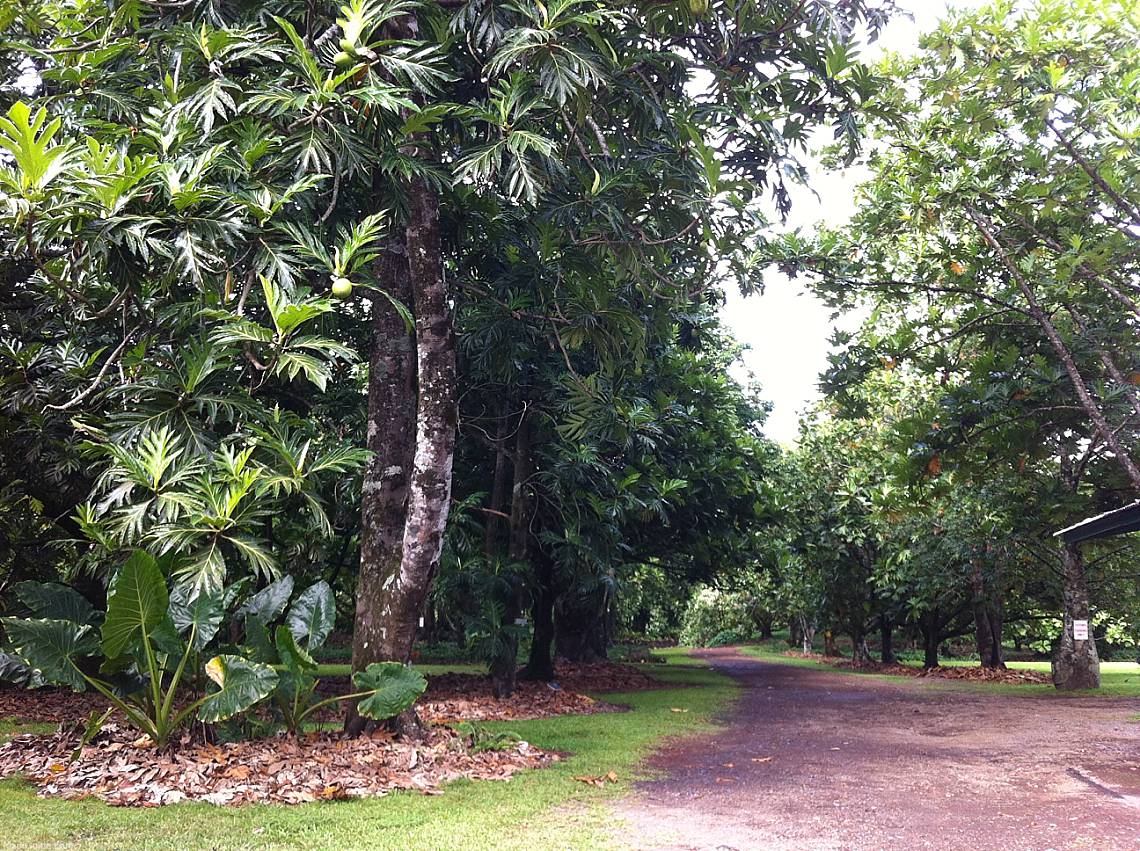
(10, 727)
(545, 808)
(1118, 679)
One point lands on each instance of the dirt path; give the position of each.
(820, 760)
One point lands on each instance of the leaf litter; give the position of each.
(119, 769)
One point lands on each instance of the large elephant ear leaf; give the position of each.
(241, 684)
(297, 671)
(15, 670)
(312, 615)
(270, 601)
(53, 647)
(394, 688)
(258, 642)
(52, 601)
(292, 655)
(137, 602)
(204, 612)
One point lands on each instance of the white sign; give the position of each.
(1080, 630)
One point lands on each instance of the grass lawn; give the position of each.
(1118, 679)
(546, 808)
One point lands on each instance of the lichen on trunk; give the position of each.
(1076, 664)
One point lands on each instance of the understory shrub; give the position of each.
(714, 618)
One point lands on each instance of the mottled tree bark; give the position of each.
(429, 490)
(391, 439)
(1075, 662)
(401, 546)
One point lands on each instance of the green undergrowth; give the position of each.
(1118, 679)
(544, 808)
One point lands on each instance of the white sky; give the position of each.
(786, 329)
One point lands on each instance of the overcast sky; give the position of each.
(786, 329)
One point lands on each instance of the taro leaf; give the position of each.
(57, 602)
(258, 644)
(13, 670)
(241, 684)
(235, 591)
(165, 638)
(136, 603)
(297, 671)
(270, 601)
(53, 647)
(204, 611)
(394, 688)
(312, 615)
(291, 654)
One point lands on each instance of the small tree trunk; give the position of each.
(1075, 662)
(829, 648)
(540, 665)
(807, 633)
(765, 627)
(860, 654)
(988, 629)
(504, 666)
(493, 528)
(886, 643)
(928, 625)
(795, 631)
(580, 633)
(987, 622)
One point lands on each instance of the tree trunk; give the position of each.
(1075, 662)
(580, 632)
(987, 622)
(429, 491)
(860, 654)
(391, 440)
(988, 629)
(928, 625)
(829, 648)
(795, 632)
(540, 665)
(494, 525)
(504, 666)
(886, 643)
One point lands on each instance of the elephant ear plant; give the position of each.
(383, 689)
(146, 639)
(150, 633)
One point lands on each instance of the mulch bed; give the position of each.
(971, 673)
(468, 697)
(123, 770)
(120, 768)
(49, 705)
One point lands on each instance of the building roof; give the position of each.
(1116, 522)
